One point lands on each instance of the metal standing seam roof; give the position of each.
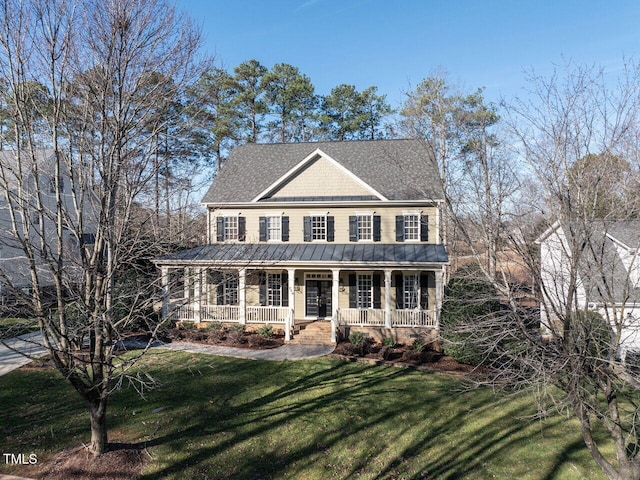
(397, 169)
(232, 254)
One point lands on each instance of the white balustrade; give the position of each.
(267, 314)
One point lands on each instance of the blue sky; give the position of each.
(393, 44)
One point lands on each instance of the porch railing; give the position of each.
(412, 318)
(370, 317)
(220, 313)
(364, 317)
(267, 314)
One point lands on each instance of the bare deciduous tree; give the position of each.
(75, 170)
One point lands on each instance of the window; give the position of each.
(410, 290)
(52, 184)
(365, 290)
(230, 290)
(274, 228)
(365, 227)
(274, 289)
(231, 228)
(318, 227)
(412, 227)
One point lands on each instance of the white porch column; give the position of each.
(387, 298)
(335, 303)
(242, 295)
(439, 294)
(197, 289)
(164, 281)
(291, 275)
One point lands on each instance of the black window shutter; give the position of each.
(220, 293)
(399, 291)
(242, 228)
(285, 229)
(353, 291)
(424, 291)
(262, 222)
(307, 229)
(377, 235)
(220, 229)
(424, 228)
(285, 289)
(331, 226)
(377, 303)
(262, 279)
(353, 228)
(399, 228)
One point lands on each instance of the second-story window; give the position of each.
(412, 227)
(318, 227)
(364, 226)
(274, 228)
(230, 228)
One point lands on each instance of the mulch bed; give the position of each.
(121, 462)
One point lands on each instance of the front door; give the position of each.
(318, 298)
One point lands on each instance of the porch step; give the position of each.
(314, 333)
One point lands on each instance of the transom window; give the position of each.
(318, 227)
(412, 227)
(274, 228)
(231, 229)
(410, 290)
(365, 290)
(274, 289)
(365, 227)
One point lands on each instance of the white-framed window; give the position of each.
(274, 289)
(318, 227)
(365, 227)
(274, 228)
(365, 290)
(412, 226)
(411, 291)
(230, 289)
(231, 228)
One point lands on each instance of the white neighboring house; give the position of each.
(603, 263)
(19, 188)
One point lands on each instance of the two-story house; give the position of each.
(342, 234)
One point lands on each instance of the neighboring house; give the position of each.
(27, 197)
(342, 234)
(601, 264)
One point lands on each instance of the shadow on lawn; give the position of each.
(381, 405)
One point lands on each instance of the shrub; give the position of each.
(419, 345)
(236, 334)
(215, 326)
(388, 342)
(357, 339)
(469, 302)
(266, 331)
(187, 325)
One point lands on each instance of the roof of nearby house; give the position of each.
(610, 257)
(270, 254)
(15, 164)
(397, 169)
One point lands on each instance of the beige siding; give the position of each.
(321, 178)
(341, 217)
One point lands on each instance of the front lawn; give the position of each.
(217, 417)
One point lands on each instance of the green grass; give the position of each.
(12, 327)
(316, 419)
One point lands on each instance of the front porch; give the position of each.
(386, 300)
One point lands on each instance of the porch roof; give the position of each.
(343, 255)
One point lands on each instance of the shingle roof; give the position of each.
(398, 169)
(343, 254)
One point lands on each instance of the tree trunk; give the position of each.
(98, 414)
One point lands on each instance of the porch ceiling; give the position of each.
(310, 253)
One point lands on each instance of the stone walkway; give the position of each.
(30, 344)
(285, 352)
